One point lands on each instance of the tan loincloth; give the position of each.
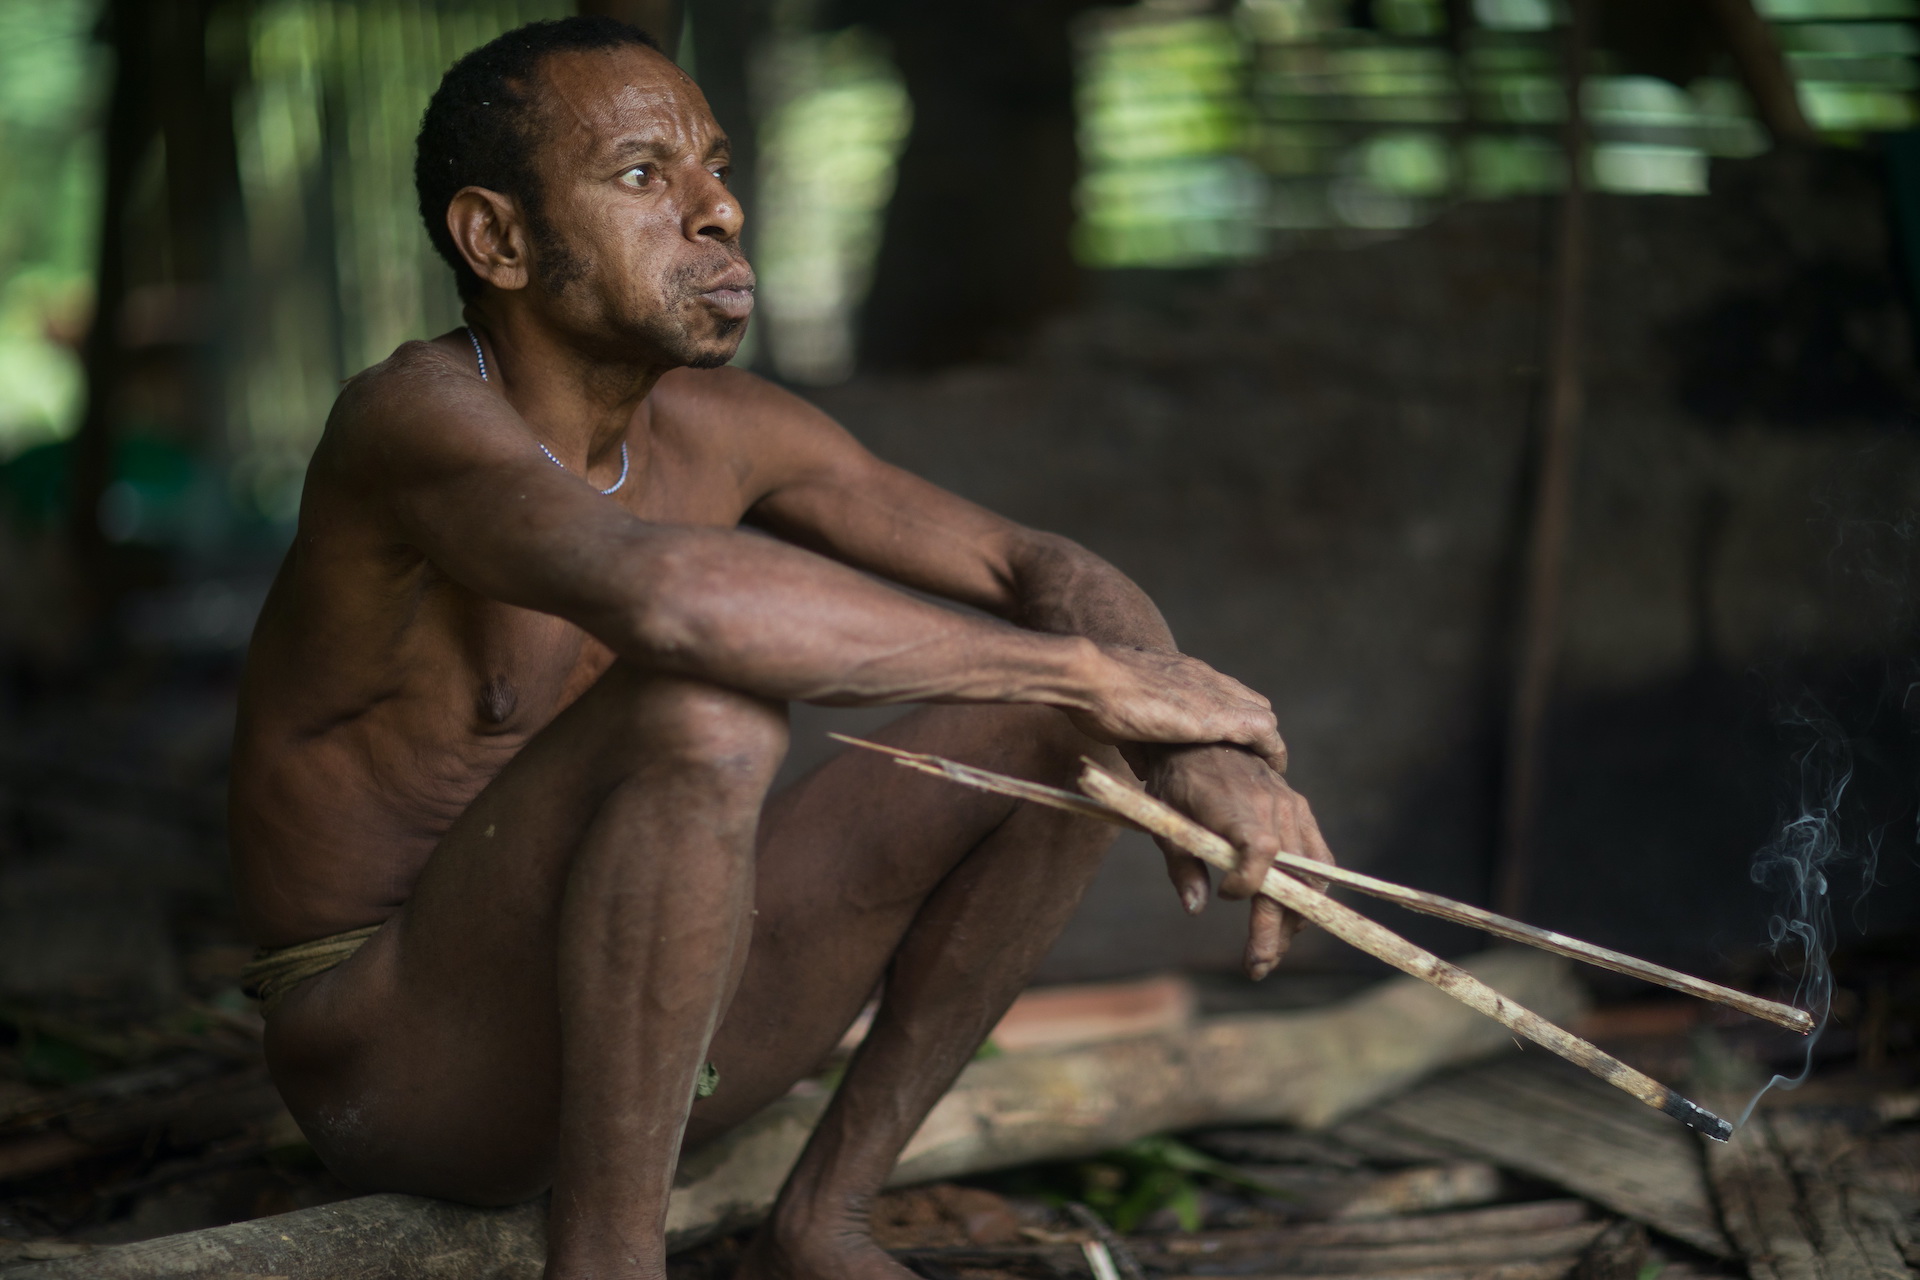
(274, 972)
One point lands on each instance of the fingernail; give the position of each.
(1260, 970)
(1194, 898)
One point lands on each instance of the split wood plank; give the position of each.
(1559, 1232)
(1506, 1219)
(1470, 1251)
(1790, 1205)
(1619, 1253)
(1561, 1268)
(1538, 1117)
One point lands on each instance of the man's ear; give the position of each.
(490, 234)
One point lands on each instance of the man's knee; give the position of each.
(1053, 746)
(690, 727)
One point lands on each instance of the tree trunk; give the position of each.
(129, 132)
(976, 248)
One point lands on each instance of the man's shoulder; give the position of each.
(724, 390)
(418, 371)
(397, 397)
(737, 404)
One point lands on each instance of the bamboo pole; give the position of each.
(1431, 904)
(1376, 940)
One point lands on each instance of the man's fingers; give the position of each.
(1267, 937)
(1269, 747)
(1256, 849)
(1190, 881)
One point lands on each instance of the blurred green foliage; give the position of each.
(1128, 1185)
(338, 267)
(51, 81)
(829, 143)
(1203, 137)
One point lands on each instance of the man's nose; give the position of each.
(715, 212)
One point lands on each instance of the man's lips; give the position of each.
(731, 295)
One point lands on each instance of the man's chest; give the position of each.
(520, 668)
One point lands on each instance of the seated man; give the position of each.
(513, 707)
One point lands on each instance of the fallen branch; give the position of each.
(1307, 1068)
(1426, 1228)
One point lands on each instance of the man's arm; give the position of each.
(824, 491)
(462, 480)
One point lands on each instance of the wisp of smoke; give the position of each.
(1796, 865)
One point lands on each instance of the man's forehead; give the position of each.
(606, 99)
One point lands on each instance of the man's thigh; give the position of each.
(439, 1039)
(430, 1061)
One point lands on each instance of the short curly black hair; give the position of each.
(479, 128)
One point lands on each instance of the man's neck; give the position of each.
(580, 405)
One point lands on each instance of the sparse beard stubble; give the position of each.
(558, 268)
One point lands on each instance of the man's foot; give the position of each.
(841, 1251)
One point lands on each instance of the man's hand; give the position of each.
(1243, 799)
(1155, 695)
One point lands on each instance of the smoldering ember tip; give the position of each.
(1697, 1118)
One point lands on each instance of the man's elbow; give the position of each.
(663, 621)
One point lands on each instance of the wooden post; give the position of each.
(1763, 70)
(1539, 640)
(130, 129)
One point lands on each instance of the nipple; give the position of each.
(497, 700)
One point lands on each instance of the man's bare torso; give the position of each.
(381, 696)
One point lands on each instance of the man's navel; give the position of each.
(497, 700)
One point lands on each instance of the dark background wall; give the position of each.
(1315, 466)
(1318, 463)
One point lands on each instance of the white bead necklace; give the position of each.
(481, 357)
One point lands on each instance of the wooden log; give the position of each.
(1321, 1191)
(149, 1081)
(68, 1128)
(1618, 1253)
(1307, 1068)
(1506, 1219)
(1795, 1213)
(1546, 1269)
(1368, 1258)
(32, 1153)
(1556, 1268)
(1563, 1235)
(1422, 1188)
(1539, 1117)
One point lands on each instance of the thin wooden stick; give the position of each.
(1432, 904)
(998, 783)
(1376, 940)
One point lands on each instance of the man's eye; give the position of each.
(722, 172)
(639, 176)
